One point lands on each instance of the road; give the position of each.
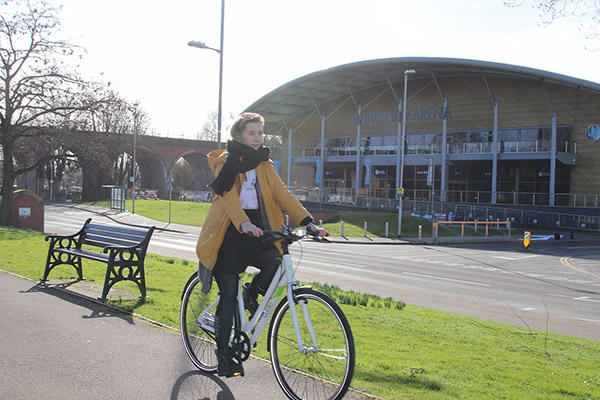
(554, 285)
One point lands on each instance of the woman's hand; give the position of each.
(248, 226)
(312, 227)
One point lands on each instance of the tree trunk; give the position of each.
(7, 182)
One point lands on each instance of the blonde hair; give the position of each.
(239, 125)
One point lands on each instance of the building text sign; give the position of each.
(395, 116)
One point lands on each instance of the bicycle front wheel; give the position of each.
(323, 368)
(196, 321)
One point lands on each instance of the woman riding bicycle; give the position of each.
(249, 198)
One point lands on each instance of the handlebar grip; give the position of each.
(313, 233)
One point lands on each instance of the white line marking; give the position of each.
(517, 258)
(447, 279)
(586, 298)
(528, 309)
(586, 319)
(559, 295)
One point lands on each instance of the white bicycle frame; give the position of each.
(283, 280)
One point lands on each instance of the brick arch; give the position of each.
(153, 170)
(198, 161)
(154, 155)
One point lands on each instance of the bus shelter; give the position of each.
(117, 197)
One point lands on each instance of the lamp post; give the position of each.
(401, 184)
(202, 45)
(133, 163)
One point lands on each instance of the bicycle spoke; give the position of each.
(295, 347)
(198, 343)
(320, 373)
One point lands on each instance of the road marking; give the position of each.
(528, 309)
(494, 269)
(447, 279)
(586, 298)
(556, 278)
(559, 295)
(586, 319)
(517, 258)
(565, 261)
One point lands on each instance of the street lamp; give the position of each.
(133, 171)
(401, 183)
(202, 45)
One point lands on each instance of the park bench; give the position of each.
(124, 251)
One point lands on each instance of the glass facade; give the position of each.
(516, 140)
(468, 179)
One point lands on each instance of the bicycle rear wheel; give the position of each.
(324, 370)
(196, 320)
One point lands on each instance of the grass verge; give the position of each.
(189, 213)
(402, 352)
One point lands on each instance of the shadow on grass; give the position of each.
(200, 385)
(412, 381)
(97, 309)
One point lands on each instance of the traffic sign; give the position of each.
(526, 239)
(400, 190)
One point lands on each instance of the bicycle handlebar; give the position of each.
(286, 233)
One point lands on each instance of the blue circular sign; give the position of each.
(593, 132)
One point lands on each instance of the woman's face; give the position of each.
(253, 135)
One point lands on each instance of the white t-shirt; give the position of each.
(248, 196)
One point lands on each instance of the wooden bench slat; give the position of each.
(109, 241)
(133, 238)
(109, 228)
(84, 253)
(103, 244)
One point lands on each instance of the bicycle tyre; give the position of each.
(199, 343)
(322, 374)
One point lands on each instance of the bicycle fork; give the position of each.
(292, 301)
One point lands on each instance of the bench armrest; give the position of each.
(58, 237)
(64, 241)
(72, 237)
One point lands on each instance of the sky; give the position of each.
(140, 46)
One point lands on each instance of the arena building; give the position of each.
(475, 132)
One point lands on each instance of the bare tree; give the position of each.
(209, 131)
(587, 11)
(39, 86)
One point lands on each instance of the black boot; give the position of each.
(228, 366)
(250, 298)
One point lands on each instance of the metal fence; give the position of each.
(533, 146)
(529, 218)
(367, 199)
(384, 196)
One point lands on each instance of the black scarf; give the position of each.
(241, 158)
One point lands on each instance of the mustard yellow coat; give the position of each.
(227, 208)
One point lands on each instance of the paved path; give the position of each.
(58, 346)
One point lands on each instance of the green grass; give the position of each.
(189, 213)
(182, 212)
(402, 352)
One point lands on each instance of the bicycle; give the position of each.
(312, 357)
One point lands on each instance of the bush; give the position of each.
(357, 299)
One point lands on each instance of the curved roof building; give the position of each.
(475, 131)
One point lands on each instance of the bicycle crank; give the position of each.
(241, 345)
